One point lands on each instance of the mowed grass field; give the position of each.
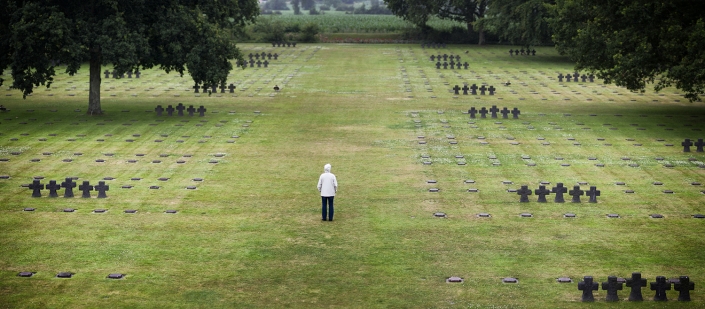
(250, 234)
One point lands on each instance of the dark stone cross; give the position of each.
(269, 56)
(263, 54)
(101, 188)
(524, 192)
(445, 65)
(129, 74)
(583, 78)
(159, 109)
(68, 186)
(516, 113)
(576, 193)
(533, 52)
(493, 110)
(465, 65)
(452, 65)
(593, 193)
(86, 188)
(438, 65)
(591, 78)
(559, 189)
(576, 76)
(612, 286)
(222, 88)
(259, 63)
(201, 111)
(505, 112)
(180, 108)
(114, 73)
(483, 112)
(474, 89)
(257, 56)
(482, 90)
(107, 74)
(542, 192)
(456, 89)
(170, 110)
(137, 74)
(511, 52)
(52, 187)
(492, 90)
(660, 286)
(684, 286)
(568, 77)
(232, 88)
(472, 111)
(252, 63)
(700, 145)
(265, 63)
(465, 89)
(433, 58)
(686, 145)
(251, 55)
(636, 282)
(587, 286)
(522, 51)
(195, 88)
(445, 57)
(36, 188)
(560, 77)
(275, 56)
(190, 110)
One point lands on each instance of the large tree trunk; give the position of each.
(94, 91)
(481, 37)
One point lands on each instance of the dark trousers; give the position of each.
(327, 211)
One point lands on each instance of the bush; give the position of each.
(313, 12)
(324, 8)
(309, 33)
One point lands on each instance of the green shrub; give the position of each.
(309, 33)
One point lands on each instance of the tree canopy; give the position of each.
(175, 35)
(419, 11)
(521, 22)
(635, 42)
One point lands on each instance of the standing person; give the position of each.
(328, 185)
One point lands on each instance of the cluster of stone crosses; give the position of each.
(180, 110)
(114, 74)
(493, 112)
(473, 89)
(687, 143)
(36, 186)
(558, 190)
(452, 64)
(283, 44)
(522, 51)
(636, 282)
(575, 77)
(212, 88)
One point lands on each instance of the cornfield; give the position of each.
(344, 23)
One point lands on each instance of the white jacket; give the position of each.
(327, 183)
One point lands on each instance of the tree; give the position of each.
(193, 35)
(419, 11)
(521, 22)
(635, 42)
(467, 12)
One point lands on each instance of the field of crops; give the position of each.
(349, 23)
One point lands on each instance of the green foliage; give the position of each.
(635, 43)
(419, 11)
(521, 22)
(276, 5)
(309, 33)
(269, 29)
(127, 34)
(344, 23)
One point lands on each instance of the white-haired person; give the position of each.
(328, 186)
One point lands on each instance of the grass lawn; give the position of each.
(250, 234)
